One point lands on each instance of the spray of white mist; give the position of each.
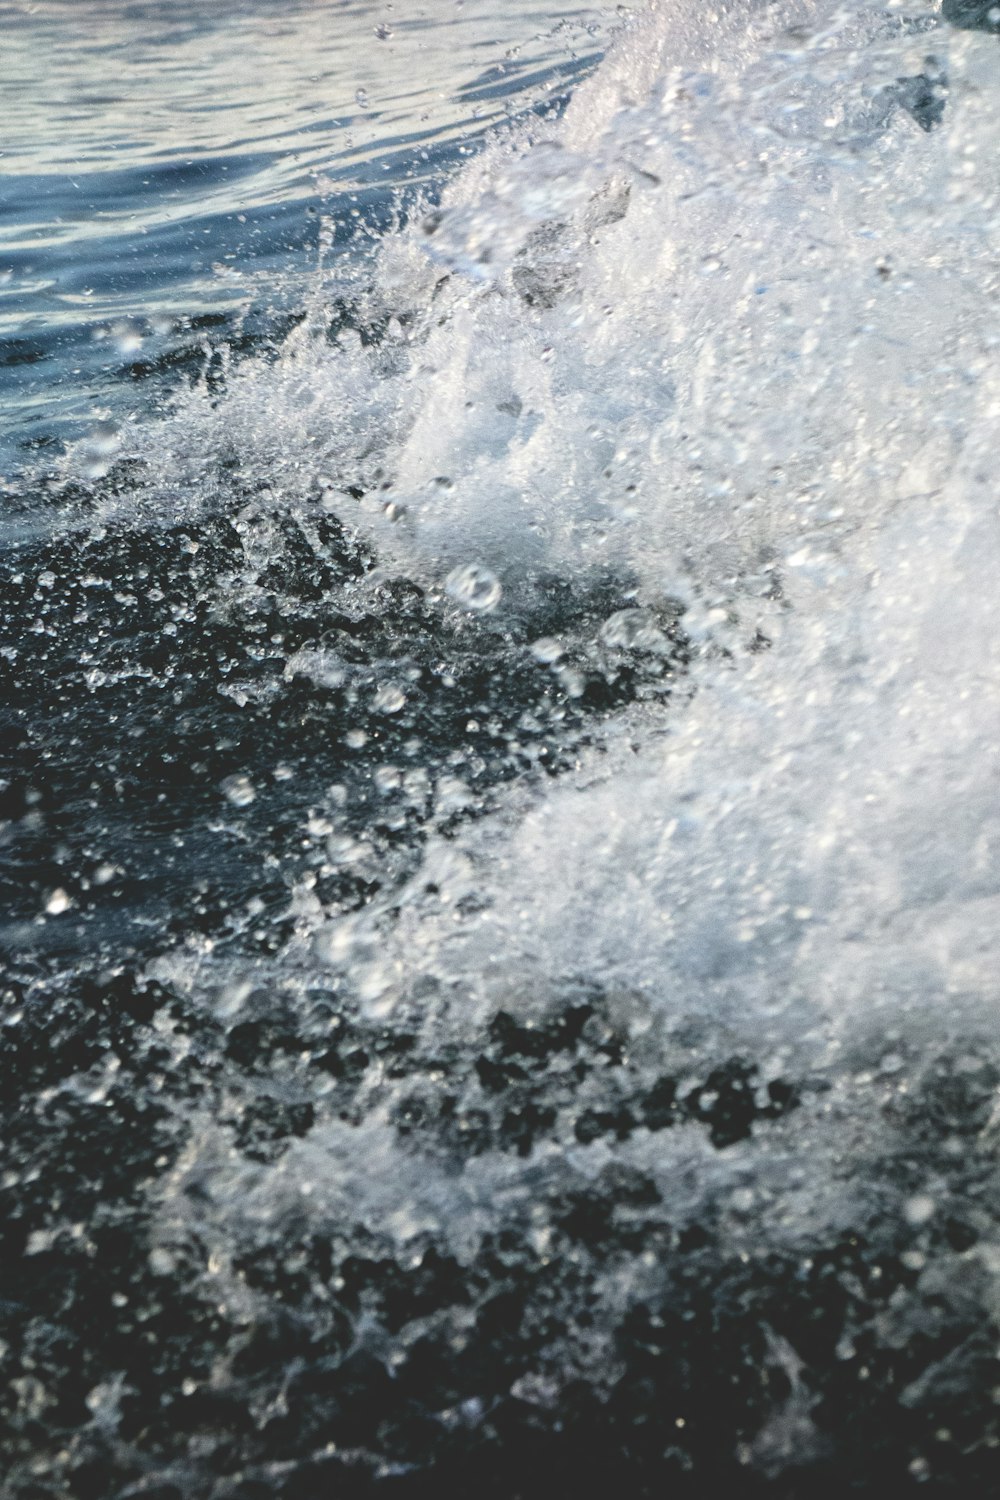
(731, 328)
(728, 329)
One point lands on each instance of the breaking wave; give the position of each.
(539, 1012)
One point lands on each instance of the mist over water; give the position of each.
(504, 831)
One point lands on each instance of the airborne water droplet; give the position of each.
(474, 587)
(547, 650)
(389, 699)
(633, 630)
(919, 1209)
(239, 790)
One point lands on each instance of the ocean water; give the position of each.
(501, 866)
(168, 168)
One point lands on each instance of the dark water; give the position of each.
(316, 1183)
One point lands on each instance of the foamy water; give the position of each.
(757, 383)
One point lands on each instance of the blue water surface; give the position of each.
(166, 167)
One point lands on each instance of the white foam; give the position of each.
(736, 334)
(777, 365)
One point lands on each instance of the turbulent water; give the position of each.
(502, 860)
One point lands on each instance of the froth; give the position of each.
(750, 367)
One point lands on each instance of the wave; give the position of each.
(620, 1092)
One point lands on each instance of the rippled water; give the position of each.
(169, 165)
(500, 708)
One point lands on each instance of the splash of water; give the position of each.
(724, 334)
(726, 330)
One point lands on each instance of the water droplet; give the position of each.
(389, 699)
(632, 630)
(127, 336)
(58, 902)
(452, 795)
(573, 682)
(387, 779)
(547, 649)
(474, 587)
(99, 450)
(345, 849)
(363, 98)
(919, 1209)
(239, 790)
(383, 31)
(104, 440)
(232, 998)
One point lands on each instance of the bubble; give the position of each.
(58, 902)
(363, 98)
(474, 587)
